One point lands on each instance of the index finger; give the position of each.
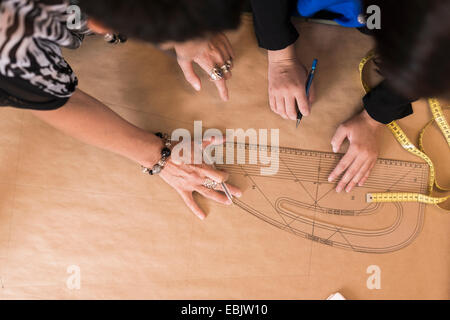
(345, 162)
(220, 84)
(303, 102)
(222, 88)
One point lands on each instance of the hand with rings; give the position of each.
(210, 184)
(188, 178)
(219, 73)
(214, 55)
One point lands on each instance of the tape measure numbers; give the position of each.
(401, 137)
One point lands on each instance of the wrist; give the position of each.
(284, 55)
(165, 154)
(370, 121)
(150, 149)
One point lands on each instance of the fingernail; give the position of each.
(197, 87)
(330, 179)
(335, 149)
(229, 203)
(239, 195)
(339, 190)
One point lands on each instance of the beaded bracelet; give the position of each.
(113, 38)
(165, 154)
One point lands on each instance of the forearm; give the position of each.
(90, 121)
(273, 25)
(384, 105)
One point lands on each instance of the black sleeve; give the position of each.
(18, 93)
(273, 26)
(385, 106)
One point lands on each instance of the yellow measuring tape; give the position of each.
(400, 136)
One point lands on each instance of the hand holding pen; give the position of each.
(309, 82)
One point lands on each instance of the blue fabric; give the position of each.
(349, 10)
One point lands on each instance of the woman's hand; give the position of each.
(212, 53)
(363, 133)
(287, 84)
(189, 178)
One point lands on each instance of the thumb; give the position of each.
(338, 138)
(191, 204)
(190, 75)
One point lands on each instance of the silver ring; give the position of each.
(216, 74)
(225, 68)
(210, 184)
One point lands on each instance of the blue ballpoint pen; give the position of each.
(308, 87)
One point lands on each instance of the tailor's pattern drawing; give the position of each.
(300, 200)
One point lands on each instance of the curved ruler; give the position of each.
(299, 199)
(401, 137)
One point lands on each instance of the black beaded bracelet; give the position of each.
(113, 38)
(166, 152)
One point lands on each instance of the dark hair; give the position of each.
(158, 21)
(414, 46)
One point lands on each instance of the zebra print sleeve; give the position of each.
(32, 33)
